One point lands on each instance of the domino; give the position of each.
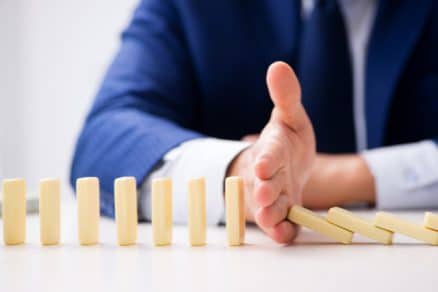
(431, 221)
(311, 220)
(392, 223)
(87, 193)
(197, 212)
(162, 218)
(125, 203)
(14, 211)
(49, 209)
(349, 221)
(235, 210)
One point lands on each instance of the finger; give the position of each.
(267, 191)
(272, 215)
(284, 232)
(285, 92)
(269, 161)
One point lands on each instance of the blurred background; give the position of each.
(53, 54)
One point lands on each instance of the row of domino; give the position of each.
(340, 225)
(125, 202)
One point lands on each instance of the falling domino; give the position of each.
(125, 202)
(49, 209)
(14, 211)
(431, 221)
(197, 211)
(349, 221)
(235, 210)
(392, 223)
(162, 211)
(87, 193)
(311, 220)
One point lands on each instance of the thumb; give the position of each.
(285, 92)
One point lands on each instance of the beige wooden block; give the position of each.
(235, 210)
(311, 220)
(87, 195)
(349, 221)
(162, 218)
(197, 211)
(431, 221)
(14, 211)
(393, 223)
(49, 209)
(125, 202)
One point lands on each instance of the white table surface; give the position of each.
(313, 263)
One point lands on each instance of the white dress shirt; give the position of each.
(405, 176)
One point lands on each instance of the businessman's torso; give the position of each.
(231, 44)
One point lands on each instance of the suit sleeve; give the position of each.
(146, 104)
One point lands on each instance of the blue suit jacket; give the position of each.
(189, 68)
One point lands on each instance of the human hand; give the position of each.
(276, 167)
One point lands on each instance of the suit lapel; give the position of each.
(397, 27)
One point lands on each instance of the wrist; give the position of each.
(339, 180)
(239, 161)
(359, 182)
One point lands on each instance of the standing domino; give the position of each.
(49, 209)
(162, 211)
(235, 210)
(349, 221)
(87, 193)
(125, 202)
(431, 221)
(197, 211)
(392, 223)
(14, 211)
(309, 219)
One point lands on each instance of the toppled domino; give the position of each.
(349, 221)
(311, 220)
(394, 224)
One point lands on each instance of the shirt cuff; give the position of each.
(205, 157)
(406, 176)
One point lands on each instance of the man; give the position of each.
(189, 81)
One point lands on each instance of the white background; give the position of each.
(53, 54)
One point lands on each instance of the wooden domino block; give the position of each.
(393, 223)
(162, 218)
(197, 212)
(431, 221)
(311, 220)
(349, 221)
(14, 211)
(49, 209)
(87, 195)
(125, 202)
(235, 210)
